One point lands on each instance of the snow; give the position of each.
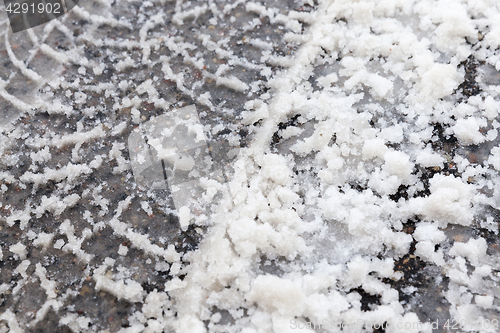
(122, 250)
(23, 266)
(59, 244)
(232, 83)
(43, 240)
(277, 295)
(398, 163)
(356, 145)
(427, 158)
(429, 232)
(184, 217)
(484, 301)
(449, 201)
(127, 289)
(49, 286)
(18, 249)
(474, 250)
(467, 130)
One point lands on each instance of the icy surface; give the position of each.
(171, 152)
(358, 140)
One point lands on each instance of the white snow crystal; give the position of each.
(122, 250)
(467, 130)
(449, 201)
(19, 249)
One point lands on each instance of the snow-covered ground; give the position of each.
(358, 143)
